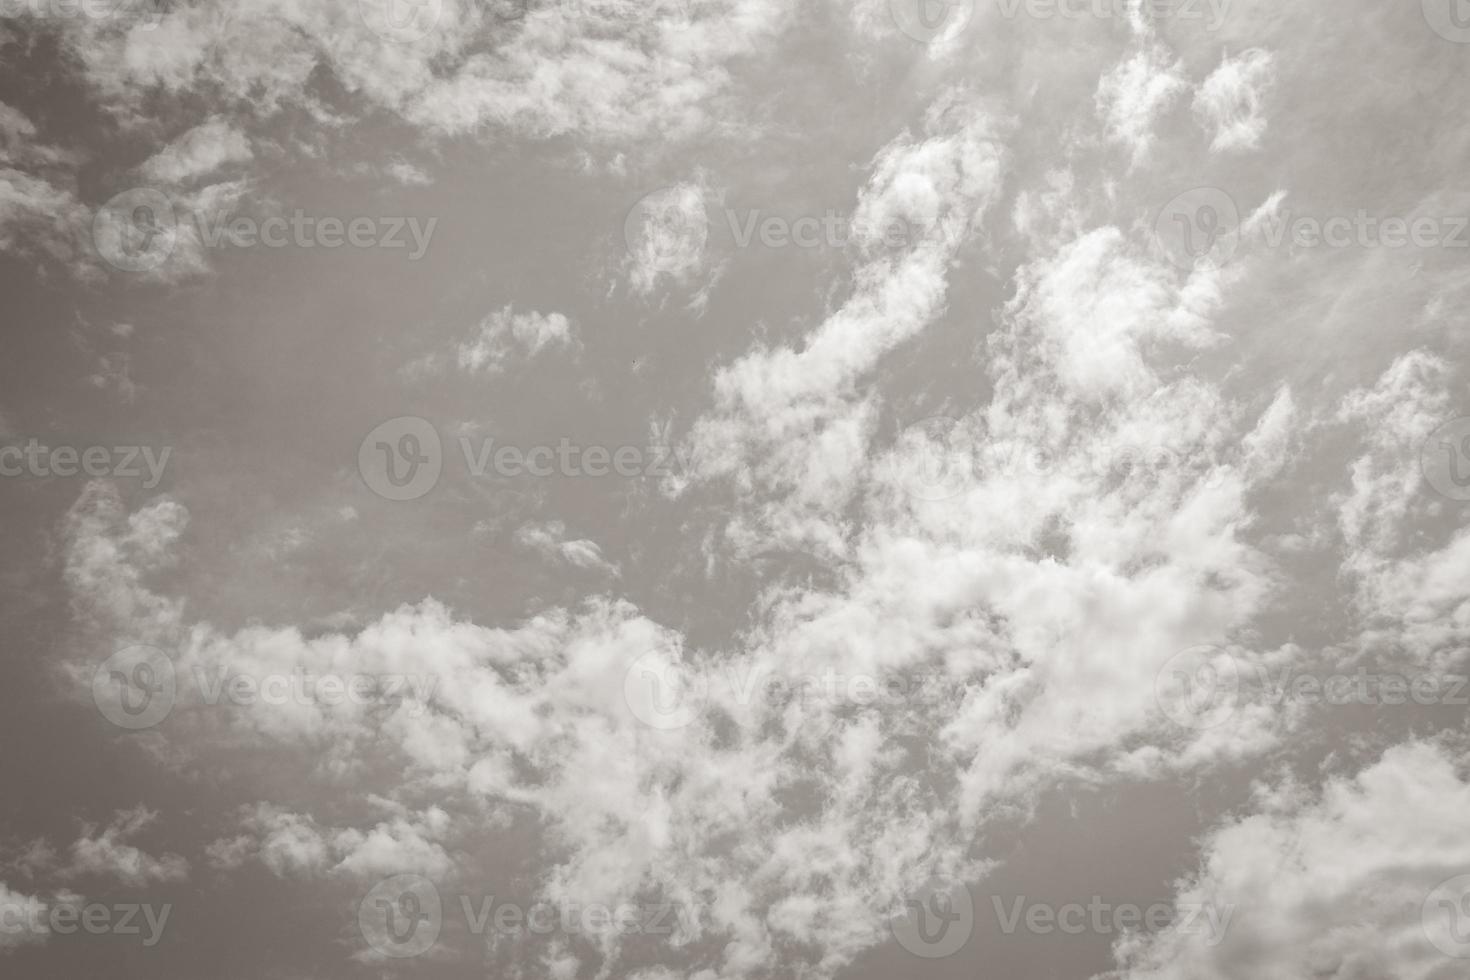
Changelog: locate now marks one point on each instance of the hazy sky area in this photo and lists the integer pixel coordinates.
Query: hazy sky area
(735, 489)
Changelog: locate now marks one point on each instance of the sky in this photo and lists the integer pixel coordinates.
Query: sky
(724, 489)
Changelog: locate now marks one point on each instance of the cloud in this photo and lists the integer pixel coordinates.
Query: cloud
(505, 335)
(197, 153)
(108, 853)
(1333, 884)
(1132, 96)
(549, 540)
(25, 919)
(1229, 102)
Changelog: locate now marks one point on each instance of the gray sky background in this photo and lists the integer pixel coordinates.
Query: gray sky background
(856, 489)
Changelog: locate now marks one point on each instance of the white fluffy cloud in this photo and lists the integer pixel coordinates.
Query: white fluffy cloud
(1339, 884)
